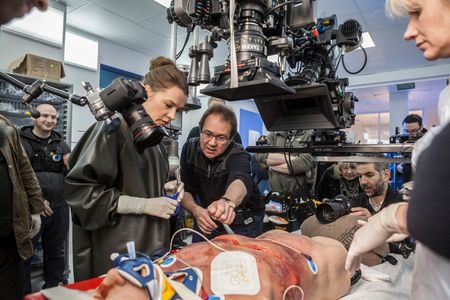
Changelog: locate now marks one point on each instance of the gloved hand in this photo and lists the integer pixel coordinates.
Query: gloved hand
(162, 207)
(173, 187)
(373, 234)
(35, 225)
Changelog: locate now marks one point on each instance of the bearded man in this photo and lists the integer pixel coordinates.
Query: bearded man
(377, 193)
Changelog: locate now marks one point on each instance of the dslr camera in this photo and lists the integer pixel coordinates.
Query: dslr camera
(332, 209)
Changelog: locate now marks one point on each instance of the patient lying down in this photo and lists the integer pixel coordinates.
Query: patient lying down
(275, 265)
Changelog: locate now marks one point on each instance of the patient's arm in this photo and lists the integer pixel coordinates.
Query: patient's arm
(116, 287)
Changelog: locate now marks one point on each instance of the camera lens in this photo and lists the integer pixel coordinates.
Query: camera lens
(330, 212)
(145, 132)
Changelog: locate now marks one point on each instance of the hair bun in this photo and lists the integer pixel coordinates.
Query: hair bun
(161, 61)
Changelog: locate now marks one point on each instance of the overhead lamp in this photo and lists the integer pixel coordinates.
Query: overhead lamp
(165, 3)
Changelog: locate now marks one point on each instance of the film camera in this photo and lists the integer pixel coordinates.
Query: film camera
(332, 209)
(125, 96)
(256, 29)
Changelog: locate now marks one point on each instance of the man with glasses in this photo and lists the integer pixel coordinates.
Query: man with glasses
(219, 191)
(412, 127)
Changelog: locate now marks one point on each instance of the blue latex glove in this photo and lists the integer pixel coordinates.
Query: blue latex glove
(177, 195)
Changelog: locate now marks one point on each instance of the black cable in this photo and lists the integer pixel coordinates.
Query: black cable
(177, 56)
(291, 170)
(277, 7)
(287, 158)
(363, 66)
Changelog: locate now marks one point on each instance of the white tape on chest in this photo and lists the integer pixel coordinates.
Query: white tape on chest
(234, 272)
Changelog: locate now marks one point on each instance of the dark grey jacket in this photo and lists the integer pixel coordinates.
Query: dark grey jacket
(27, 198)
(303, 164)
(102, 167)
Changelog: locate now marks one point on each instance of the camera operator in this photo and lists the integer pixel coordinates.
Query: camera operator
(413, 127)
(115, 188)
(426, 216)
(413, 130)
(377, 192)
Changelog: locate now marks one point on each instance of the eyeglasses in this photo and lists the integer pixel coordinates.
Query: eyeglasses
(208, 135)
(415, 130)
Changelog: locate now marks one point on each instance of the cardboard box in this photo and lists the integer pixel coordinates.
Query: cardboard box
(38, 66)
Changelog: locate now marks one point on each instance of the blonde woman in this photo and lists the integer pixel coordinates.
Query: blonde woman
(426, 217)
(339, 179)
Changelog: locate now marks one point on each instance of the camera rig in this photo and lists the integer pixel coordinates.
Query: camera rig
(307, 96)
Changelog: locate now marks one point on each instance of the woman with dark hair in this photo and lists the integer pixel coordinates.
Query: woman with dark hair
(115, 188)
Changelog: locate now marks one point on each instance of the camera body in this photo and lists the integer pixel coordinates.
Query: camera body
(400, 139)
(256, 29)
(126, 97)
(332, 209)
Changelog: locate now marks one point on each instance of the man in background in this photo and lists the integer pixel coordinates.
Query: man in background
(49, 154)
(295, 181)
(377, 192)
(413, 127)
(414, 130)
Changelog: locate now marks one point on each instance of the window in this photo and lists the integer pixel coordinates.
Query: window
(45, 26)
(371, 128)
(80, 51)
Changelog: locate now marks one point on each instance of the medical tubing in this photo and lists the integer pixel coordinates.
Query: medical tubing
(194, 231)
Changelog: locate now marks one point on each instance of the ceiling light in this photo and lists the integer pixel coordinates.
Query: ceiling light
(367, 40)
(165, 3)
(46, 26)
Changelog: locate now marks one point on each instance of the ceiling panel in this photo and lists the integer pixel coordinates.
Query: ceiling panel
(376, 19)
(94, 19)
(369, 4)
(160, 25)
(135, 11)
(326, 8)
(137, 37)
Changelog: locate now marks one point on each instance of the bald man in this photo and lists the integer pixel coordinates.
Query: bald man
(19, 8)
(49, 155)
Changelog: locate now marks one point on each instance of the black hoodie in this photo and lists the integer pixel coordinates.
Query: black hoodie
(46, 157)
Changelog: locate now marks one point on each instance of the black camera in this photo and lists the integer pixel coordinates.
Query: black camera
(307, 96)
(125, 96)
(332, 209)
(405, 247)
(400, 139)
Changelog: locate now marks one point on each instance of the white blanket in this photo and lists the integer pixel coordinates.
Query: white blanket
(393, 283)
